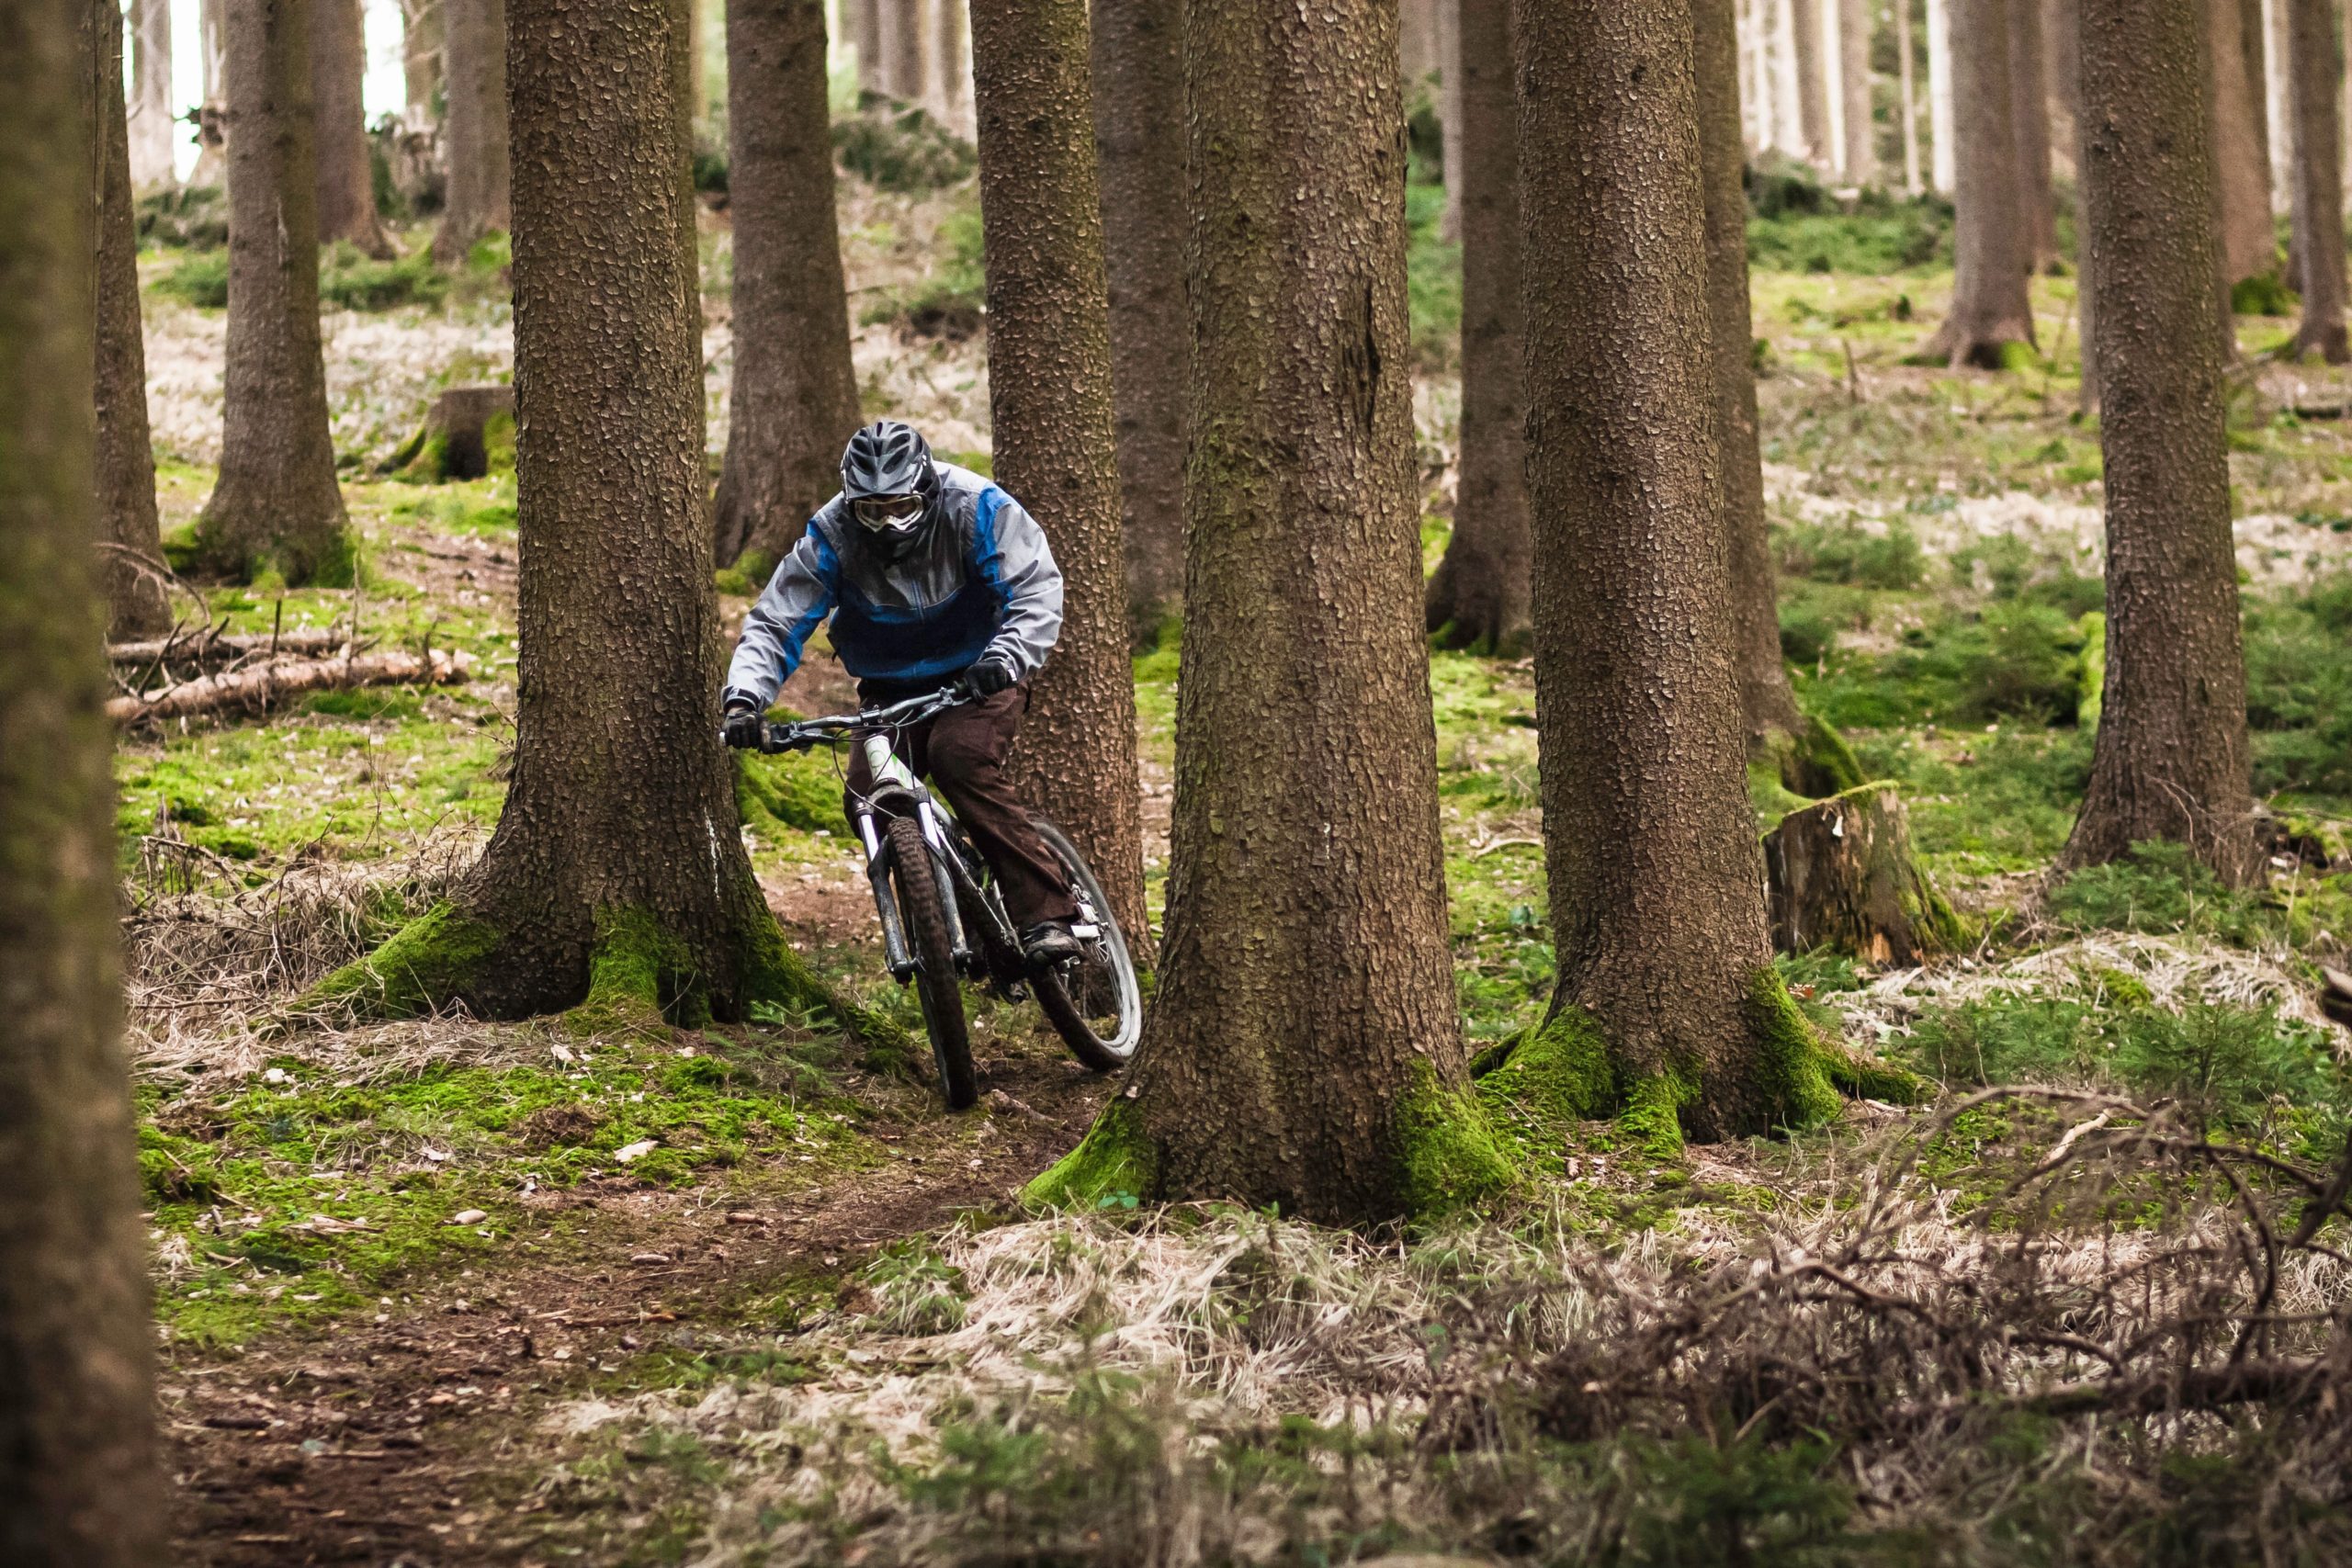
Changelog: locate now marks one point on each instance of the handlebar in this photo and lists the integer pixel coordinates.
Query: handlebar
(812, 732)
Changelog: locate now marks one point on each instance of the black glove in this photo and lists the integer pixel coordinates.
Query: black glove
(989, 676)
(743, 729)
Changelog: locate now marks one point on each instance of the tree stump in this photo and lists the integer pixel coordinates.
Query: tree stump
(465, 430)
(1840, 874)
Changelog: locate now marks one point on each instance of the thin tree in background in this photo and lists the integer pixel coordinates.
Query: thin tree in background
(794, 398)
(2030, 112)
(474, 131)
(616, 881)
(2171, 758)
(1943, 135)
(1666, 987)
(2241, 185)
(1478, 596)
(130, 538)
(2315, 71)
(153, 126)
(1302, 1047)
(1767, 702)
(1050, 408)
(950, 77)
(1813, 82)
(276, 505)
(903, 45)
(1449, 114)
(1907, 97)
(1139, 132)
(1854, 78)
(79, 1482)
(421, 42)
(346, 176)
(1990, 307)
(864, 24)
(2064, 39)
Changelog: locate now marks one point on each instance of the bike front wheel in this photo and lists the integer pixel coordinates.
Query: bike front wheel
(1094, 1001)
(915, 880)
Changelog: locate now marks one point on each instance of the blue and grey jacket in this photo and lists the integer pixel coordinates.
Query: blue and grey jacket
(980, 580)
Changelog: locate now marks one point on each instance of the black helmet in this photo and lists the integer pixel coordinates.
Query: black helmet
(889, 482)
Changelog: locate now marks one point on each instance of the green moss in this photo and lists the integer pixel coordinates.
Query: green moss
(1555, 1073)
(634, 962)
(2091, 685)
(498, 443)
(748, 575)
(1651, 1118)
(1830, 766)
(431, 961)
(1771, 798)
(1116, 1160)
(1449, 1152)
(1802, 1073)
(796, 791)
(777, 978)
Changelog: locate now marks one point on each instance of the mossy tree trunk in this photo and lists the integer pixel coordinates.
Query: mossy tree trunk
(616, 877)
(1302, 1047)
(346, 176)
(2171, 758)
(1478, 597)
(79, 1487)
(2029, 113)
(1140, 129)
(1050, 406)
(1990, 309)
(1654, 871)
(277, 505)
(474, 137)
(1767, 702)
(2315, 73)
(2249, 238)
(131, 541)
(795, 398)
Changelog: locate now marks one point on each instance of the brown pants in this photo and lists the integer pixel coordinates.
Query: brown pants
(963, 752)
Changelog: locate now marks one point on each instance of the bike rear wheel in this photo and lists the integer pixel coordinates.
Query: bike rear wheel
(938, 988)
(1094, 1002)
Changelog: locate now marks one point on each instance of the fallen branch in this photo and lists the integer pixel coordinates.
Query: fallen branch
(208, 646)
(258, 687)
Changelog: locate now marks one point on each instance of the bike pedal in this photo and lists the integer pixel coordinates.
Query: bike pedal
(1085, 932)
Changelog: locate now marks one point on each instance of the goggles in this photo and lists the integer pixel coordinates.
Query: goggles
(886, 514)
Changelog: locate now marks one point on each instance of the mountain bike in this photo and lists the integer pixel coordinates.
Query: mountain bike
(942, 916)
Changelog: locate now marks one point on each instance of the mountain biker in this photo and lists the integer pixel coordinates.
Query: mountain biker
(932, 577)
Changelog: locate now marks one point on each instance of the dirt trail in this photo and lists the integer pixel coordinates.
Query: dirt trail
(407, 1442)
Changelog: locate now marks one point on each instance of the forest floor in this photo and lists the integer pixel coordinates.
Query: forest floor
(445, 1292)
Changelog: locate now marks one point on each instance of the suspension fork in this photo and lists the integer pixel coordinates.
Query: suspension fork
(886, 903)
(943, 856)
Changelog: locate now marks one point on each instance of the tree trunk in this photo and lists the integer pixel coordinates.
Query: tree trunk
(1907, 91)
(456, 440)
(1449, 110)
(2029, 113)
(1478, 597)
(1839, 874)
(2278, 74)
(2171, 758)
(1139, 135)
(2251, 50)
(1418, 42)
(1050, 407)
(2316, 67)
(1766, 702)
(616, 877)
(421, 35)
(795, 398)
(1787, 111)
(151, 98)
(1654, 873)
(211, 168)
(865, 22)
(80, 1487)
(1990, 309)
(2249, 240)
(950, 77)
(1813, 83)
(2065, 46)
(346, 177)
(1302, 1047)
(474, 131)
(276, 505)
(902, 48)
(131, 542)
(1756, 73)
(1943, 137)
(1854, 76)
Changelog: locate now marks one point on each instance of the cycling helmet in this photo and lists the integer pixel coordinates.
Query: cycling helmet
(888, 484)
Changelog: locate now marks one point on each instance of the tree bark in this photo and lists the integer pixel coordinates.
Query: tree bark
(421, 43)
(1139, 138)
(2171, 758)
(1050, 407)
(2030, 112)
(1907, 93)
(151, 98)
(1766, 702)
(616, 876)
(2252, 48)
(1990, 309)
(474, 131)
(1943, 137)
(1303, 1044)
(346, 177)
(2316, 68)
(131, 542)
(1478, 596)
(1654, 873)
(795, 398)
(1854, 78)
(1449, 114)
(1813, 83)
(277, 505)
(2249, 240)
(902, 48)
(80, 1487)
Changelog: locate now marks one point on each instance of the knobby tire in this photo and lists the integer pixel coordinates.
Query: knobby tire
(937, 985)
